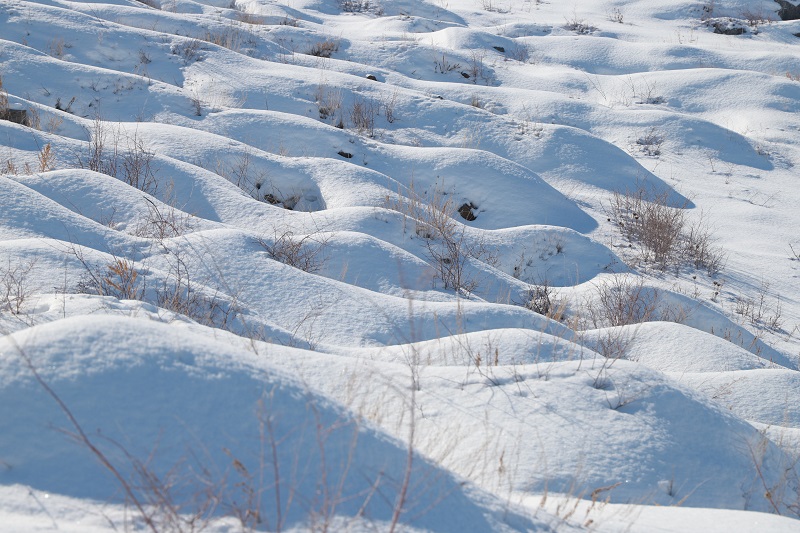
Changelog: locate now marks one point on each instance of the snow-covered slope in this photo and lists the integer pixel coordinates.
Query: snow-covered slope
(465, 265)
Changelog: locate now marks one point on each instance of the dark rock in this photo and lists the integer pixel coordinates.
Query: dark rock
(18, 116)
(500, 49)
(372, 77)
(788, 11)
(467, 213)
(730, 30)
(345, 154)
(464, 74)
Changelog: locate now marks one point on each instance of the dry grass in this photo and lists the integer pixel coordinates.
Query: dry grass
(324, 48)
(304, 252)
(449, 248)
(661, 232)
(47, 158)
(15, 285)
(120, 156)
(362, 115)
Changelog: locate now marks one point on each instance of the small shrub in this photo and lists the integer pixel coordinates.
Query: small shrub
(663, 236)
(650, 143)
(578, 25)
(35, 119)
(761, 311)
(15, 287)
(543, 299)
(477, 69)
(447, 244)
(119, 279)
(231, 37)
(623, 301)
(188, 50)
(518, 52)
(304, 253)
(389, 105)
(164, 223)
(357, 6)
(324, 48)
(444, 66)
(57, 47)
(329, 102)
(180, 293)
(492, 6)
(362, 116)
(46, 158)
(655, 226)
(754, 18)
(249, 18)
(131, 163)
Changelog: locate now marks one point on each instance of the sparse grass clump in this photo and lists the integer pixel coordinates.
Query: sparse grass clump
(761, 311)
(661, 233)
(358, 6)
(362, 115)
(650, 143)
(324, 48)
(125, 157)
(449, 248)
(578, 25)
(329, 104)
(303, 252)
(15, 285)
(543, 298)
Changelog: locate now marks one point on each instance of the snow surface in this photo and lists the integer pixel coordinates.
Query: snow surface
(260, 332)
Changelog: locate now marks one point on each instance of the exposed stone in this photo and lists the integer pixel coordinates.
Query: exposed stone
(728, 30)
(19, 116)
(788, 11)
(467, 212)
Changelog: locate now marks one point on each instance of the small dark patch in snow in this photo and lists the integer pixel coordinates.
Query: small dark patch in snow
(728, 31)
(18, 116)
(372, 77)
(467, 211)
(728, 26)
(500, 49)
(345, 154)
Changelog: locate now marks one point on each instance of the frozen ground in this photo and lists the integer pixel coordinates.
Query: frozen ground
(413, 265)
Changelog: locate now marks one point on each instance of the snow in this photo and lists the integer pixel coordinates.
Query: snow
(226, 300)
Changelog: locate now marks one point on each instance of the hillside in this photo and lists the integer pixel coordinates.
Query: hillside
(412, 265)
